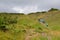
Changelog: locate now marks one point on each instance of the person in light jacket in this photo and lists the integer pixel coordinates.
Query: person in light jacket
(41, 20)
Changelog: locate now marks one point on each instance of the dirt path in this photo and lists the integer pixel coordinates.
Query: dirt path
(31, 34)
(46, 35)
(55, 33)
(50, 34)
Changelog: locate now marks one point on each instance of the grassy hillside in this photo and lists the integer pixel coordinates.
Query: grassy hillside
(27, 27)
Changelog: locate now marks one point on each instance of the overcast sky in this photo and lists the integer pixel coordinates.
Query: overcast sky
(27, 6)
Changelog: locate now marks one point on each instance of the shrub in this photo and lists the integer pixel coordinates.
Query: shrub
(30, 13)
(53, 9)
(43, 12)
(3, 28)
(7, 20)
(12, 21)
(38, 12)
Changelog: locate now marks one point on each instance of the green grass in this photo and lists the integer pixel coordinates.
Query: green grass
(23, 23)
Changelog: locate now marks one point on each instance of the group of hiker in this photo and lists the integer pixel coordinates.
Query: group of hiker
(41, 20)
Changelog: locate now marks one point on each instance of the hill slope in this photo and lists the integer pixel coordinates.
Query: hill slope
(27, 27)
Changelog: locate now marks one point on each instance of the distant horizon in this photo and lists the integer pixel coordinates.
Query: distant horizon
(25, 12)
(29, 12)
(28, 6)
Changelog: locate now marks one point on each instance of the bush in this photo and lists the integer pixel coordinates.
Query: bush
(30, 13)
(7, 20)
(43, 12)
(38, 12)
(3, 28)
(12, 21)
(53, 9)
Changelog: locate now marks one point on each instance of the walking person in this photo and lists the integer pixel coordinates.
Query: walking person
(42, 21)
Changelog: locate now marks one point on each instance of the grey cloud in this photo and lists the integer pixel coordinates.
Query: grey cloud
(7, 5)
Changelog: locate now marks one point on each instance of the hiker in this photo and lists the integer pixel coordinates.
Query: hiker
(46, 24)
(41, 20)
